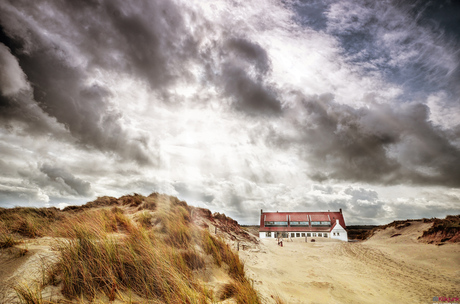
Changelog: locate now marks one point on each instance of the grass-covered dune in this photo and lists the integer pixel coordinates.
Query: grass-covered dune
(133, 249)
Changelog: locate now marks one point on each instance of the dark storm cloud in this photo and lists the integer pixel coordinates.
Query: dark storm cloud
(250, 95)
(250, 51)
(244, 68)
(65, 181)
(380, 143)
(59, 45)
(144, 39)
(141, 38)
(16, 100)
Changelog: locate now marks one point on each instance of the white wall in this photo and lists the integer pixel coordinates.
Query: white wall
(340, 233)
(262, 235)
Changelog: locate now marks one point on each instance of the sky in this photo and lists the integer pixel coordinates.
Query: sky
(233, 105)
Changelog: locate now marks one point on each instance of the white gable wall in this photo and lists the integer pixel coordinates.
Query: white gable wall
(339, 233)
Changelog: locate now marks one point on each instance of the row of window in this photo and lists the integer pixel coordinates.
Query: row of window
(276, 223)
(326, 223)
(301, 234)
(297, 223)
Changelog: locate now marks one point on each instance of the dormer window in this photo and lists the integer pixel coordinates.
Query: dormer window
(299, 224)
(321, 223)
(276, 224)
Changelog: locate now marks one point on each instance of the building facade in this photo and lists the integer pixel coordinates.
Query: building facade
(303, 224)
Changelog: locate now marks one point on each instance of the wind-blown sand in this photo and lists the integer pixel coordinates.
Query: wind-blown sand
(383, 269)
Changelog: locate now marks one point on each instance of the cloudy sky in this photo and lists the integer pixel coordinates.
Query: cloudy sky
(233, 105)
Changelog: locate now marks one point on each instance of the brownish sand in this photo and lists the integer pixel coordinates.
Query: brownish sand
(28, 269)
(383, 269)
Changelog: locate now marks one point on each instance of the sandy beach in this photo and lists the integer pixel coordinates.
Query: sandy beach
(383, 269)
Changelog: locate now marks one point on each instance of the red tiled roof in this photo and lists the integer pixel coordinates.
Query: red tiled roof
(320, 217)
(299, 217)
(276, 217)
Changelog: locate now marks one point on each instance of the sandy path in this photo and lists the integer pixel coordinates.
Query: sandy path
(369, 272)
(28, 269)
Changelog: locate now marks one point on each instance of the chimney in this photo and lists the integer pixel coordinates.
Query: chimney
(340, 210)
(261, 211)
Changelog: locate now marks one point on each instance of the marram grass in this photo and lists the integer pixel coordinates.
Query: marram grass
(107, 254)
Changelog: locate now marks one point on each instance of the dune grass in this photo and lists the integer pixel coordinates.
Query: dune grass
(106, 254)
(99, 263)
(28, 222)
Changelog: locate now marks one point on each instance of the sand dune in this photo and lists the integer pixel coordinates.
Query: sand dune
(383, 269)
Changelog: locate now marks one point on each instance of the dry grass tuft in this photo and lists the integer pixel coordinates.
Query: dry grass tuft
(221, 252)
(28, 295)
(7, 241)
(28, 222)
(132, 200)
(278, 300)
(241, 291)
(193, 259)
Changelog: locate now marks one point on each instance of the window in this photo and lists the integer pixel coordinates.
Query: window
(322, 223)
(325, 234)
(276, 223)
(268, 234)
(293, 234)
(320, 234)
(303, 235)
(338, 233)
(297, 234)
(297, 223)
(308, 234)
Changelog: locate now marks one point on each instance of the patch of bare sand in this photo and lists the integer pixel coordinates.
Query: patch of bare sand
(382, 270)
(28, 269)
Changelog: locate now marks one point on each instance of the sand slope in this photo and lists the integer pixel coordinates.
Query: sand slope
(384, 269)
